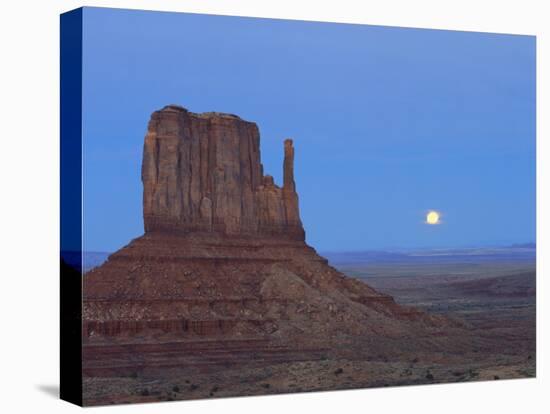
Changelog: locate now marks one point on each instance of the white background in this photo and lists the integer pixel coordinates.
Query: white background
(29, 192)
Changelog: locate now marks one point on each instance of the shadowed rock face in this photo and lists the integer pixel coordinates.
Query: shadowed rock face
(202, 173)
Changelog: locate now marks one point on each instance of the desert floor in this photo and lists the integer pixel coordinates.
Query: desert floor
(494, 300)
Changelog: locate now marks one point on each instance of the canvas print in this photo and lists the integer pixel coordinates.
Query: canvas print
(260, 206)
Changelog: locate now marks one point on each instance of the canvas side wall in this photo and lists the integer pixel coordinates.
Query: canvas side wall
(71, 207)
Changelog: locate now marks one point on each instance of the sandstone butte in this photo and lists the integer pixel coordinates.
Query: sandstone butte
(224, 262)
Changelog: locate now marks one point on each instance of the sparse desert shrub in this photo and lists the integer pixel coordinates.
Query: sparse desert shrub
(429, 376)
(175, 388)
(338, 371)
(144, 392)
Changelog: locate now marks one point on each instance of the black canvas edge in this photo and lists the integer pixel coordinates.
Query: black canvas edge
(71, 206)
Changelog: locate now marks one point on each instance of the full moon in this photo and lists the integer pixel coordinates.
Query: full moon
(432, 217)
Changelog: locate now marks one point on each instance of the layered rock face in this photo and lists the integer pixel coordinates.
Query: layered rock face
(202, 173)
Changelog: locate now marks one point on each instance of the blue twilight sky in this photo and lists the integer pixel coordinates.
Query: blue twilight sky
(387, 122)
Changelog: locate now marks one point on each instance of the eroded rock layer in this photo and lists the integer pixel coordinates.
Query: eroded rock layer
(258, 295)
(202, 173)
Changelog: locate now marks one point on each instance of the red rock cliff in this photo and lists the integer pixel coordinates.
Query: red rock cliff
(203, 173)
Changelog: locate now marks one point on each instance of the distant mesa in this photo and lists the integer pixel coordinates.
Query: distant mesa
(524, 246)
